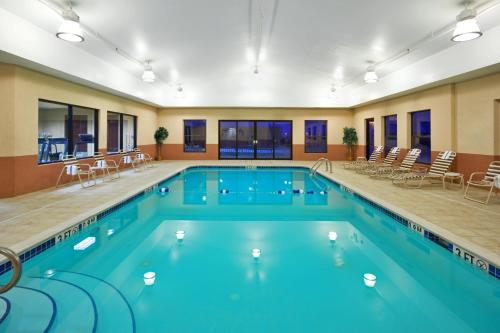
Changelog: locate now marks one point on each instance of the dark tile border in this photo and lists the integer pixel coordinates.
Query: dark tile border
(468, 256)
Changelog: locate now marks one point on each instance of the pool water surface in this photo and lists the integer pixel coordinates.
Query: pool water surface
(210, 282)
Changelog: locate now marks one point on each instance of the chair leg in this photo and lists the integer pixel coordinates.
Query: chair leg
(60, 176)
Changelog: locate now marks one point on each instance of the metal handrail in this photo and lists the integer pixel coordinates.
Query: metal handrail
(318, 164)
(16, 267)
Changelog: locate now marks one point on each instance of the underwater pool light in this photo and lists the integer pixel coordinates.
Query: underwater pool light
(256, 253)
(110, 232)
(149, 278)
(84, 244)
(370, 280)
(332, 235)
(179, 234)
(204, 198)
(49, 273)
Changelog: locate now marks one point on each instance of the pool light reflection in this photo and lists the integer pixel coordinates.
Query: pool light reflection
(149, 278)
(332, 235)
(370, 280)
(180, 234)
(256, 253)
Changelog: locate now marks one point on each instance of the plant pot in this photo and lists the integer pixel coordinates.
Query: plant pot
(158, 151)
(350, 153)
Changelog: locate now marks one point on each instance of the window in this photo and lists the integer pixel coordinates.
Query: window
(421, 134)
(64, 130)
(122, 130)
(195, 132)
(315, 136)
(390, 133)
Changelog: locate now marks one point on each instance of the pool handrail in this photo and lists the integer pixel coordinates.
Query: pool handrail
(16, 267)
(318, 164)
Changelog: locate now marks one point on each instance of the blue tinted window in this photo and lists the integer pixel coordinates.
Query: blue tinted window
(391, 133)
(421, 134)
(315, 140)
(195, 132)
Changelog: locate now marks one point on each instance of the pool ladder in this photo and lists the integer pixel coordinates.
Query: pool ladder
(16, 266)
(319, 163)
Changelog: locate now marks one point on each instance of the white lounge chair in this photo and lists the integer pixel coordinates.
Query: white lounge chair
(362, 162)
(439, 167)
(388, 162)
(399, 168)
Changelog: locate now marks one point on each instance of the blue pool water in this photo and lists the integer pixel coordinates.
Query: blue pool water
(210, 282)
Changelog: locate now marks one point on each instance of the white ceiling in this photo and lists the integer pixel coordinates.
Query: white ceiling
(207, 46)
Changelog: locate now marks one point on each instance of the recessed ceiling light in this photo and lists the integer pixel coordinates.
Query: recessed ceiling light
(370, 75)
(467, 27)
(70, 29)
(148, 75)
(179, 92)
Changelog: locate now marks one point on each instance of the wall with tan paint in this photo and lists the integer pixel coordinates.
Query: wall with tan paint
(172, 119)
(20, 90)
(30, 86)
(438, 100)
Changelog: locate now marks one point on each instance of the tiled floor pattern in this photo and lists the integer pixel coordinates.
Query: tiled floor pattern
(29, 219)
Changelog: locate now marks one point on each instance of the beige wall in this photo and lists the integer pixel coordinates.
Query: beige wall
(438, 100)
(172, 119)
(7, 73)
(478, 123)
(29, 86)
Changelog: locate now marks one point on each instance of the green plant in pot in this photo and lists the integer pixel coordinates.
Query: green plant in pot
(350, 139)
(161, 135)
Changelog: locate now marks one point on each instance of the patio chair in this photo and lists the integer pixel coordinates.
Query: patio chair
(73, 168)
(398, 168)
(107, 167)
(439, 167)
(388, 162)
(486, 180)
(141, 157)
(361, 162)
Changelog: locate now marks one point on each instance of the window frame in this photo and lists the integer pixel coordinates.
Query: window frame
(386, 147)
(69, 127)
(412, 141)
(326, 137)
(184, 136)
(120, 145)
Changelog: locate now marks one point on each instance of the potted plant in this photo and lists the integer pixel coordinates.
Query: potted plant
(350, 139)
(161, 135)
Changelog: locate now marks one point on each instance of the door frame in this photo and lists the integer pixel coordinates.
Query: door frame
(367, 131)
(255, 138)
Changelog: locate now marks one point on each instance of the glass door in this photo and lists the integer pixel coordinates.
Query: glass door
(264, 142)
(249, 139)
(370, 136)
(227, 139)
(283, 140)
(246, 139)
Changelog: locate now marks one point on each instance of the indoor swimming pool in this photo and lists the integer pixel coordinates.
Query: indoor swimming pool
(249, 250)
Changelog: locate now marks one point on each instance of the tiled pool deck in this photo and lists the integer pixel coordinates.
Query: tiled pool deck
(30, 219)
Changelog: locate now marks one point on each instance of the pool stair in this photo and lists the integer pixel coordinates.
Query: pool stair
(55, 309)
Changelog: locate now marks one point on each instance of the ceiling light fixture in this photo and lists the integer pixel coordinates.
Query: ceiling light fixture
(179, 92)
(70, 29)
(466, 28)
(148, 75)
(370, 75)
